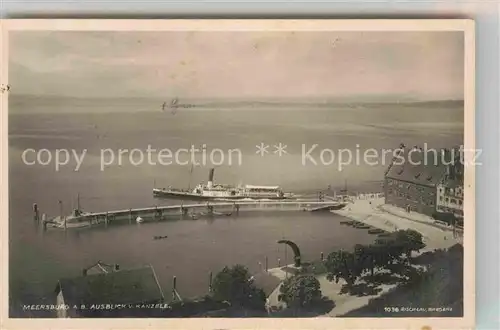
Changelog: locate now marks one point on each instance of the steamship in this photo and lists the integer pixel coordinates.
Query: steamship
(213, 191)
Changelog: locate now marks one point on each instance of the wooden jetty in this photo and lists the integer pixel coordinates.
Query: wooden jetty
(80, 219)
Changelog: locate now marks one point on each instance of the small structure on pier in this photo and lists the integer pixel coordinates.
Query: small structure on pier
(109, 292)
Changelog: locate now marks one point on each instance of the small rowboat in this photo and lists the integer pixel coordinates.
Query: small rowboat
(375, 231)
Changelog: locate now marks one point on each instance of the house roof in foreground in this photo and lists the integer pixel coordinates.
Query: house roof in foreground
(130, 286)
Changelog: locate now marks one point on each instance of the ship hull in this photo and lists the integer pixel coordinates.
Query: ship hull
(160, 193)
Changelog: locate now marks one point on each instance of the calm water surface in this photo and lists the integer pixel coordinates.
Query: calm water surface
(193, 248)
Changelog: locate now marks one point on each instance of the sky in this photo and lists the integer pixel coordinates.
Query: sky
(244, 65)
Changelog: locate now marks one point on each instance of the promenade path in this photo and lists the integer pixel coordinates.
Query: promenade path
(389, 218)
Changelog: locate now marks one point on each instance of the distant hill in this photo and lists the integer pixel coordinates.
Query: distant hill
(62, 104)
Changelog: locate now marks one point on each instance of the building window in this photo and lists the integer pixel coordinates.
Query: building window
(460, 202)
(440, 198)
(447, 200)
(453, 201)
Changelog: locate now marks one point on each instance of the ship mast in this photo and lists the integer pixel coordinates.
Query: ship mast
(344, 191)
(190, 175)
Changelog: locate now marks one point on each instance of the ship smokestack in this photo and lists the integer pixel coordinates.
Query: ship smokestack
(210, 178)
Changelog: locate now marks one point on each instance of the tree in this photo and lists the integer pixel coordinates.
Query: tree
(390, 250)
(410, 240)
(300, 291)
(371, 256)
(364, 260)
(236, 286)
(345, 265)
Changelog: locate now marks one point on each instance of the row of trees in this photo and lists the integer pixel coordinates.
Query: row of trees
(235, 284)
(395, 248)
(441, 284)
(303, 290)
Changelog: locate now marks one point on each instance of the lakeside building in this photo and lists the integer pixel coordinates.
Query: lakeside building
(423, 181)
(450, 192)
(103, 293)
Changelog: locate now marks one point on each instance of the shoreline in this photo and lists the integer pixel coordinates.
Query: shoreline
(375, 213)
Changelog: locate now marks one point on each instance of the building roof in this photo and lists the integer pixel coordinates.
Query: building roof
(131, 286)
(100, 268)
(419, 168)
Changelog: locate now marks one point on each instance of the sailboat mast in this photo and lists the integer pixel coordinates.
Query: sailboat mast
(78, 201)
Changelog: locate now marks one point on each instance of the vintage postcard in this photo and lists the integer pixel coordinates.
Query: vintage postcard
(257, 174)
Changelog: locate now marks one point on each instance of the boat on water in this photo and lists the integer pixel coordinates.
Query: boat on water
(376, 231)
(213, 191)
(77, 219)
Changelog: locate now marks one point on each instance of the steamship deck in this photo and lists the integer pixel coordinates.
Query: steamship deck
(216, 191)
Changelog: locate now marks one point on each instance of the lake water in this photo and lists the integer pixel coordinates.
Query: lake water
(193, 248)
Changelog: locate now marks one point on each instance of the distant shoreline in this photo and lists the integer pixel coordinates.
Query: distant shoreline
(249, 101)
(30, 104)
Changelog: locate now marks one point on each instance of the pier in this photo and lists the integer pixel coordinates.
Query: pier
(81, 219)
